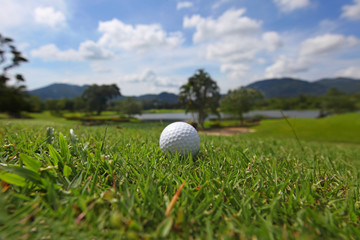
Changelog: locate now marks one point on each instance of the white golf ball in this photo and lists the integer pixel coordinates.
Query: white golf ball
(181, 138)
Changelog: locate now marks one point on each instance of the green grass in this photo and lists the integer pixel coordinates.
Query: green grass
(115, 183)
(46, 115)
(164, 111)
(224, 123)
(103, 114)
(339, 128)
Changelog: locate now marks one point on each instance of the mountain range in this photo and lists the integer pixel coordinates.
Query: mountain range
(58, 90)
(290, 87)
(275, 87)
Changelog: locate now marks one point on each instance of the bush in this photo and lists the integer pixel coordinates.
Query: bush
(97, 120)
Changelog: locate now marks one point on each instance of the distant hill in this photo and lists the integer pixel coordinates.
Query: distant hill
(58, 90)
(162, 97)
(290, 87)
(346, 85)
(275, 87)
(287, 87)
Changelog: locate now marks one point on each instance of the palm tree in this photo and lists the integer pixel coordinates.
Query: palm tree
(201, 94)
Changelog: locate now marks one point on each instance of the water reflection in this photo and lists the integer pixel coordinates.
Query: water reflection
(264, 113)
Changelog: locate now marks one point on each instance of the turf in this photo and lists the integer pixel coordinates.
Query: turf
(114, 183)
(343, 128)
(164, 111)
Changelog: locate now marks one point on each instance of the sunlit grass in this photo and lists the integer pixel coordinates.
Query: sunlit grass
(338, 128)
(114, 182)
(164, 111)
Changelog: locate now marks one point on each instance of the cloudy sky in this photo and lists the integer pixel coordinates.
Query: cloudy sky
(153, 46)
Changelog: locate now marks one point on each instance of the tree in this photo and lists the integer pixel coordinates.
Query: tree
(79, 104)
(12, 98)
(54, 106)
(129, 106)
(36, 104)
(67, 104)
(97, 96)
(335, 101)
(240, 101)
(201, 94)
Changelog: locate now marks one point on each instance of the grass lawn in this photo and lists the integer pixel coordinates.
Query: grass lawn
(3, 116)
(115, 183)
(46, 115)
(164, 111)
(339, 128)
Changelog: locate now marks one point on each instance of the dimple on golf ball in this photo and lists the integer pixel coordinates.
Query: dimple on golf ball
(181, 138)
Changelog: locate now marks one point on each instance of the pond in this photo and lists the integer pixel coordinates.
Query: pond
(265, 113)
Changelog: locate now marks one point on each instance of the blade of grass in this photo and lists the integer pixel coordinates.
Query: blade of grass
(293, 130)
(174, 199)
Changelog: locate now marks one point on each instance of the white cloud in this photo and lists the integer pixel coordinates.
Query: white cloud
(291, 5)
(23, 46)
(87, 50)
(49, 16)
(100, 67)
(219, 3)
(326, 26)
(116, 35)
(312, 52)
(233, 67)
(284, 66)
(161, 82)
(327, 43)
(119, 35)
(16, 13)
(51, 52)
(234, 50)
(234, 71)
(351, 12)
(91, 50)
(232, 39)
(272, 41)
(20, 14)
(181, 5)
(261, 61)
(353, 72)
(145, 76)
(231, 23)
(150, 77)
(149, 80)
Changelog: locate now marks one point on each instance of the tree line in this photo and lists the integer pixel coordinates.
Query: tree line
(200, 95)
(334, 101)
(93, 104)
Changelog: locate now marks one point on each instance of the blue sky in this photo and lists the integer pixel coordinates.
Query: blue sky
(153, 46)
